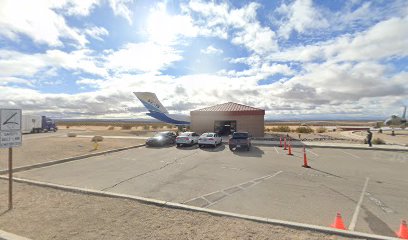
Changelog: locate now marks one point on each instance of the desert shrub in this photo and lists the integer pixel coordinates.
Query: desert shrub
(155, 127)
(378, 141)
(304, 130)
(379, 124)
(111, 128)
(67, 127)
(71, 134)
(321, 130)
(97, 139)
(281, 129)
(126, 127)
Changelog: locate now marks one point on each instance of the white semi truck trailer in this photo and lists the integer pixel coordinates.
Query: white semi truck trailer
(37, 124)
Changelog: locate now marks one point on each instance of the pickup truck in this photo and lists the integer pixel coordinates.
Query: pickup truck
(240, 140)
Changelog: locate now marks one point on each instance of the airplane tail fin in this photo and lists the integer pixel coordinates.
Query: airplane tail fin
(405, 112)
(151, 102)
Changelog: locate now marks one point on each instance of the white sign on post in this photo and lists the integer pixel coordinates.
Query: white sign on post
(10, 128)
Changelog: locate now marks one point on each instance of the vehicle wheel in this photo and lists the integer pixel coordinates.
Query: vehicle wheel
(200, 146)
(231, 148)
(248, 148)
(215, 145)
(178, 145)
(192, 142)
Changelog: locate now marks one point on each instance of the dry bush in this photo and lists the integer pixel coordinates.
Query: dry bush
(280, 129)
(111, 128)
(378, 141)
(321, 130)
(126, 127)
(71, 134)
(304, 130)
(97, 139)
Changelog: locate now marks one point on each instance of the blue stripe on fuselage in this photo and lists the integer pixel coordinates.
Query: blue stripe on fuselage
(150, 106)
(164, 118)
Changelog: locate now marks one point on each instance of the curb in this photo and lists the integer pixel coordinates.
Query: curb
(10, 236)
(333, 146)
(54, 162)
(160, 203)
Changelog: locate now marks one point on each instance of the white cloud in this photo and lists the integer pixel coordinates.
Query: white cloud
(14, 80)
(242, 24)
(212, 50)
(14, 63)
(142, 57)
(96, 32)
(78, 7)
(165, 29)
(120, 8)
(386, 39)
(300, 16)
(38, 21)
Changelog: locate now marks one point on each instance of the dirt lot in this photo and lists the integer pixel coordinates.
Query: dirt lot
(115, 131)
(43, 213)
(39, 150)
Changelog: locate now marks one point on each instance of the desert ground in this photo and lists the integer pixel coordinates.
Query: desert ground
(45, 147)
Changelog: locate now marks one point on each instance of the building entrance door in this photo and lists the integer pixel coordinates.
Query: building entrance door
(225, 128)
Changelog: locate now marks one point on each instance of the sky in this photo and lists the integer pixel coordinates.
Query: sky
(297, 59)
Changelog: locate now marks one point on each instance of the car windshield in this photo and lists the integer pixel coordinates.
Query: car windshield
(240, 135)
(185, 134)
(209, 135)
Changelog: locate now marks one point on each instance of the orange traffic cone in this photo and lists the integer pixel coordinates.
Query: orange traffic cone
(280, 141)
(338, 222)
(284, 144)
(290, 150)
(403, 231)
(305, 159)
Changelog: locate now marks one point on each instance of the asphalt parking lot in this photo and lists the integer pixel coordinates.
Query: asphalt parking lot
(264, 182)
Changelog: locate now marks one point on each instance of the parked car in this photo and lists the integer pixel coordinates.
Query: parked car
(209, 139)
(162, 139)
(187, 138)
(240, 140)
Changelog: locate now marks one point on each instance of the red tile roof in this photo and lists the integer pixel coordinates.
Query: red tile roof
(229, 107)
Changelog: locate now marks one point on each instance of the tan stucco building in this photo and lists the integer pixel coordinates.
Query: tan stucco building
(228, 117)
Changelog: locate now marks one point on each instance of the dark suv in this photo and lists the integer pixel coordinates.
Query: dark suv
(240, 140)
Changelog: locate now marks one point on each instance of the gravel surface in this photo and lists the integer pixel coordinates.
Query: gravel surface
(39, 150)
(44, 213)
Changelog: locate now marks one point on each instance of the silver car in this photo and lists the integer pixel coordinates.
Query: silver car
(209, 139)
(187, 138)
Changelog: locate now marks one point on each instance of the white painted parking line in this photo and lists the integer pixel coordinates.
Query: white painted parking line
(241, 186)
(312, 152)
(350, 154)
(353, 222)
(276, 150)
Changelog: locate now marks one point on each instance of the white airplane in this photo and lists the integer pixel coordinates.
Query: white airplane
(395, 121)
(158, 111)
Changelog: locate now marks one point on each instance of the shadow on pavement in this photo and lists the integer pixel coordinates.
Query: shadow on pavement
(253, 152)
(159, 147)
(187, 147)
(325, 172)
(219, 148)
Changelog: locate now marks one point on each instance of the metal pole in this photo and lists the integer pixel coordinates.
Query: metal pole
(10, 164)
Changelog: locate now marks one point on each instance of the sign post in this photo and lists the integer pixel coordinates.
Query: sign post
(10, 136)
